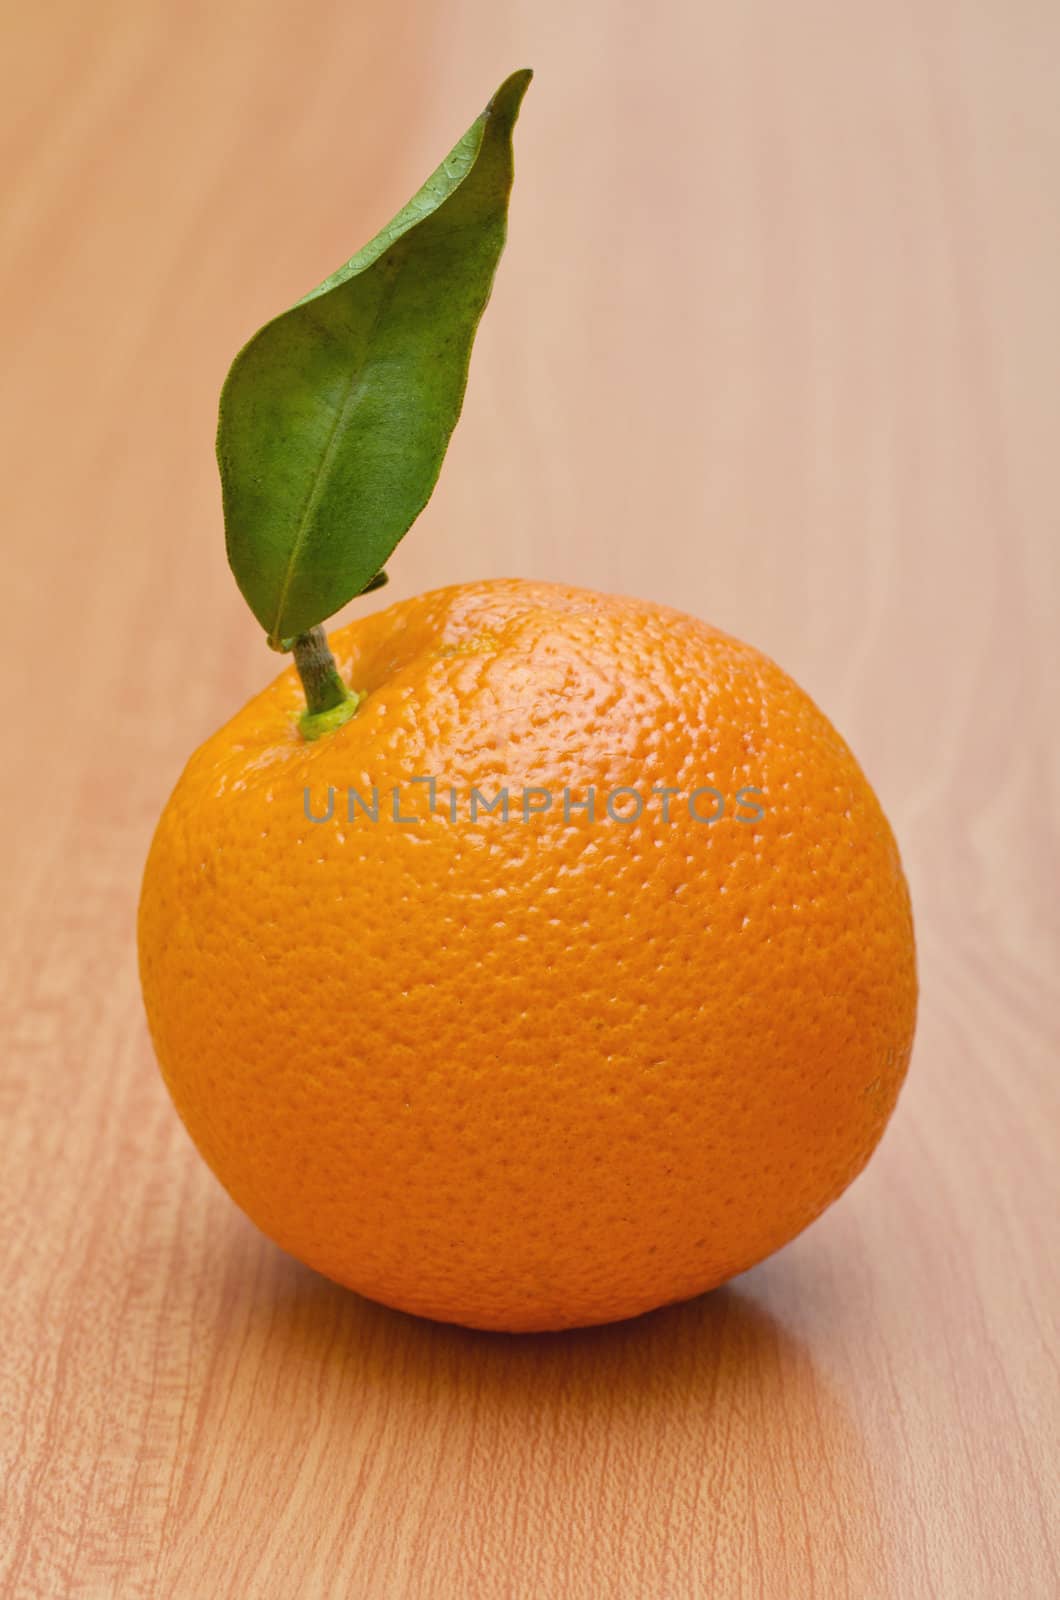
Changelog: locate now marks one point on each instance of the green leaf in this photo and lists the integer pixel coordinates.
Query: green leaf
(335, 418)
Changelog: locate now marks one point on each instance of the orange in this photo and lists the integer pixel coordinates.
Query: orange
(528, 1074)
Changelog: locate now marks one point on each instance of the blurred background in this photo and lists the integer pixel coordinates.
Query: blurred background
(775, 340)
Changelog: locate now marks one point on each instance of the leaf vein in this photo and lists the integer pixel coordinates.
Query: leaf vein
(316, 488)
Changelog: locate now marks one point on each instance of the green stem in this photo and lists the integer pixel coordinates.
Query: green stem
(324, 689)
(329, 703)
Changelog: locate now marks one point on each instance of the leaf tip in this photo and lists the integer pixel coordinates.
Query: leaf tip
(509, 96)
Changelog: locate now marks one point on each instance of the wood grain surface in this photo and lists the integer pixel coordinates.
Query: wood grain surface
(777, 340)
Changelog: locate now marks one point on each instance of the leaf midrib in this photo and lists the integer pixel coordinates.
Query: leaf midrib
(316, 488)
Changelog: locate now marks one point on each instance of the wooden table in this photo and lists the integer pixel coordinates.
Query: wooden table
(776, 339)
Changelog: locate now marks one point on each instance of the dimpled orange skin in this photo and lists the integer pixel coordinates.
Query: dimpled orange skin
(529, 1075)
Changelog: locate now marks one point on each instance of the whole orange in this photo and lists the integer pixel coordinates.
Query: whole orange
(552, 1068)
